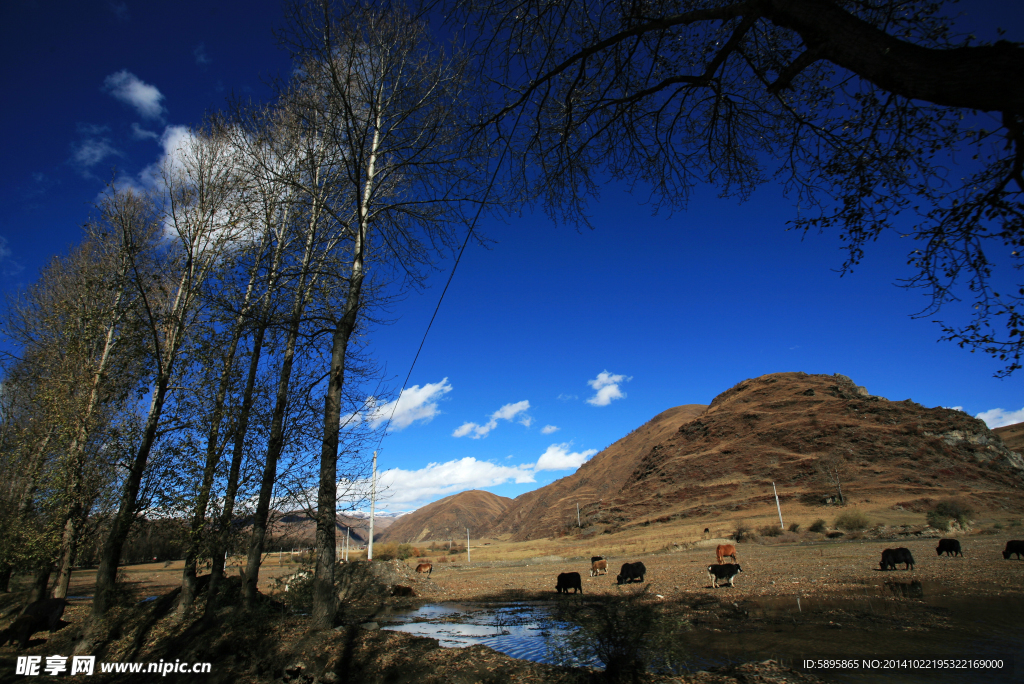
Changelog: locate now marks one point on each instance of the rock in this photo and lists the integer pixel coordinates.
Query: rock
(369, 626)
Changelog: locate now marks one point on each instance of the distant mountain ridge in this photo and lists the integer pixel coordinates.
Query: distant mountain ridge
(448, 518)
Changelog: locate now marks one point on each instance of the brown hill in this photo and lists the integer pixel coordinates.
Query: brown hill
(296, 529)
(448, 518)
(547, 510)
(1012, 436)
(782, 427)
(700, 463)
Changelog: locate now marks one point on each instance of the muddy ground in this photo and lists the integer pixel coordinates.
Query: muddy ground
(790, 602)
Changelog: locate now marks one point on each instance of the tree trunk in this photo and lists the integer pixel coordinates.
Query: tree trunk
(223, 533)
(5, 579)
(275, 441)
(325, 601)
(195, 538)
(110, 557)
(40, 583)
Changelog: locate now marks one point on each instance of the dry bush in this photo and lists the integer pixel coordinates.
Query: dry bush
(769, 531)
(794, 527)
(851, 520)
(818, 526)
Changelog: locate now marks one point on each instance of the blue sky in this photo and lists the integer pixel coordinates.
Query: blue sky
(552, 343)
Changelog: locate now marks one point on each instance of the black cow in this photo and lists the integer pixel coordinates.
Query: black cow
(1014, 546)
(630, 572)
(37, 616)
(950, 547)
(569, 580)
(890, 557)
(726, 571)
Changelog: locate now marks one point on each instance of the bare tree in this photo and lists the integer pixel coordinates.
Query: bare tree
(858, 108)
(168, 279)
(389, 103)
(833, 469)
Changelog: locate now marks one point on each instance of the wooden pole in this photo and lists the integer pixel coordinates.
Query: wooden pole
(469, 558)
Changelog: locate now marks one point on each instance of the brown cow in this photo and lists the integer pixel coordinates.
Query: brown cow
(425, 567)
(725, 551)
(599, 567)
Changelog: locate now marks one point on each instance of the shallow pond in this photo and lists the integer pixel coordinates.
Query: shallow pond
(884, 618)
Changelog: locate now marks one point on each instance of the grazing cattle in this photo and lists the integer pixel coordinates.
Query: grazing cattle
(569, 580)
(950, 547)
(1014, 546)
(725, 551)
(425, 567)
(722, 572)
(598, 567)
(890, 557)
(707, 533)
(37, 616)
(594, 559)
(631, 572)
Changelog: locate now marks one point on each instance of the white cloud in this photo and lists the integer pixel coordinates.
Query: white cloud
(405, 488)
(200, 54)
(607, 386)
(526, 421)
(568, 397)
(415, 404)
(506, 412)
(1001, 417)
(130, 89)
(548, 430)
(140, 133)
(92, 151)
(558, 457)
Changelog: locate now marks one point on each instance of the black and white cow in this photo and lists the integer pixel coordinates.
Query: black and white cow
(723, 572)
(950, 547)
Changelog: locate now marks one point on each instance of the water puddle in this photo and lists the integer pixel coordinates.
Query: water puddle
(887, 617)
(520, 630)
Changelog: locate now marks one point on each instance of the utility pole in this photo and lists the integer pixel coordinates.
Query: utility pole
(469, 558)
(578, 523)
(777, 505)
(373, 503)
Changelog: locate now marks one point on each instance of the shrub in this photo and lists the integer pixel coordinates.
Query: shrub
(742, 533)
(818, 526)
(769, 531)
(938, 521)
(406, 551)
(951, 509)
(851, 520)
(795, 527)
(998, 525)
(385, 552)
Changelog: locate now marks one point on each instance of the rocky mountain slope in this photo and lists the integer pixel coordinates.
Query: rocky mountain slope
(781, 428)
(448, 518)
(547, 510)
(1012, 436)
(698, 463)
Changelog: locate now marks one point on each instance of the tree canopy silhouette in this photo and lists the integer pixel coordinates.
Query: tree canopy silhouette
(875, 115)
